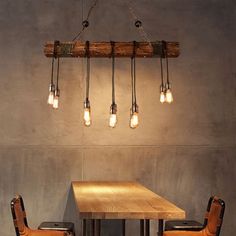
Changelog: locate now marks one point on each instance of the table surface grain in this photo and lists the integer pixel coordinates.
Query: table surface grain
(121, 200)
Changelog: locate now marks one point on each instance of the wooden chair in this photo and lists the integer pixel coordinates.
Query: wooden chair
(212, 224)
(21, 224)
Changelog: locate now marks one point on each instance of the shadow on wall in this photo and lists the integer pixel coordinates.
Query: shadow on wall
(109, 227)
(70, 214)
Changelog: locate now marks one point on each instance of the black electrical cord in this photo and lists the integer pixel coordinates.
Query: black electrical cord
(167, 63)
(161, 63)
(167, 70)
(56, 43)
(58, 70)
(113, 72)
(133, 74)
(88, 70)
(132, 79)
(52, 72)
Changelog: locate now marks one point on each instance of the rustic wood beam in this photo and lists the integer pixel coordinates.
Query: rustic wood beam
(103, 49)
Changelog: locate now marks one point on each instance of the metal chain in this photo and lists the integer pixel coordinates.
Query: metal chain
(141, 29)
(87, 18)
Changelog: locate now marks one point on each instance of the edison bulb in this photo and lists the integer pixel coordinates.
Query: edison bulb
(113, 120)
(162, 97)
(51, 93)
(134, 120)
(87, 116)
(50, 98)
(55, 104)
(169, 96)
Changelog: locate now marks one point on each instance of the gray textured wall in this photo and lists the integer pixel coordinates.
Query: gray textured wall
(184, 152)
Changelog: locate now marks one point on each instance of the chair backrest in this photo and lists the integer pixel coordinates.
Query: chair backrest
(19, 215)
(214, 216)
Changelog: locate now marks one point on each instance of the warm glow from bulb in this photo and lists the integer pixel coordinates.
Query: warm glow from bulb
(162, 97)
(134, 120)
(50, 98)
(169, 96)
(113, 120)
(55, 104)
(87, 117)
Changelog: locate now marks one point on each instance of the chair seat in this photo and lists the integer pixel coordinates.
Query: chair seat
(188, 225)
(61, 226)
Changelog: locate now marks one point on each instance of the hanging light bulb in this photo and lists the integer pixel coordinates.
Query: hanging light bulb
(134, 120)
(87, 113)
(51, 93)
(55, 104)
(87, 110)
(56, 96)
(162, 94)
(113, 108)
(169, 95)
(113, 116)
(134, 116)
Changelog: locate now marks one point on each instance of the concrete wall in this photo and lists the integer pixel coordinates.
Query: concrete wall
(184, 151)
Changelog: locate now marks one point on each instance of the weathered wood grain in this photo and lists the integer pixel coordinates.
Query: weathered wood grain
(103, 49)
(121, 200)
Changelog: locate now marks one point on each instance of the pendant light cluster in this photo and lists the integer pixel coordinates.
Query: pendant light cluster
(54, 91)
(144, 49)
(165, 87)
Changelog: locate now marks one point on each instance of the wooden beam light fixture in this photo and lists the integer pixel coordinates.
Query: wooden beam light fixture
(133, 50)
(103, 49)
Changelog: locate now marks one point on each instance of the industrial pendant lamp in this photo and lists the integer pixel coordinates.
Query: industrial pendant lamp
(134, 108)
(51, 86)
(162, 86)
(169, 96)
(113, 108)
(146, 48)
(55, 104)
(87, 111)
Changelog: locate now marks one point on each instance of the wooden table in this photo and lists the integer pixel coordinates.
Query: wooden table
(122, 200)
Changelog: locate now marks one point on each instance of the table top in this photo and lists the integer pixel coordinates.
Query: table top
(121, 200)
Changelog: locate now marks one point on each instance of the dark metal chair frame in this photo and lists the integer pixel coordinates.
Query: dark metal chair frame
(211, 199)
(13, 201)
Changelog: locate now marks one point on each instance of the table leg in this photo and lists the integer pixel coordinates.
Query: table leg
(141, 227)
(84, 227)
(147, 227)
(98, 227)
(123, 227)
(160, 227)
(93, 227)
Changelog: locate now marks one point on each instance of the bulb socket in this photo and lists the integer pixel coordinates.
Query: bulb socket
(86, 103)
(168, 86)
(134, 108)
(57, 93)
(162, 88)
(113, 108)
(51, 87)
